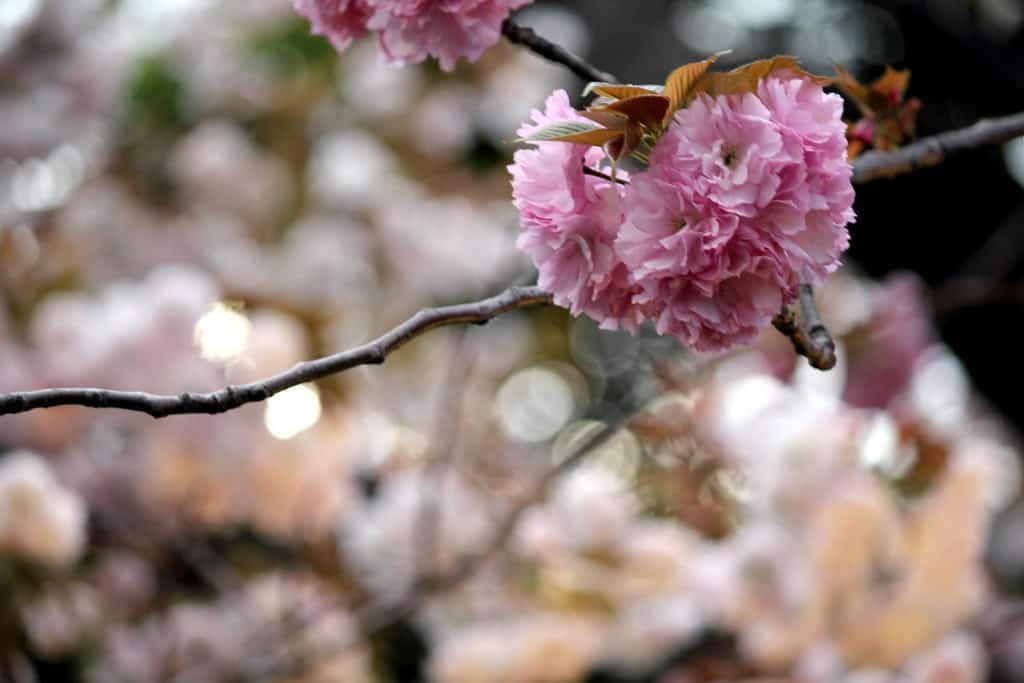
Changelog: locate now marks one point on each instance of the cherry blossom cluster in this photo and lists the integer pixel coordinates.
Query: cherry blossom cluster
(409, 31)
(744, 197)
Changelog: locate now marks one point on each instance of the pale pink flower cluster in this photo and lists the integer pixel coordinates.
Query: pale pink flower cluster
(745, 197)
(409, 31)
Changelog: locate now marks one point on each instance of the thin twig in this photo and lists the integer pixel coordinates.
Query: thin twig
(970, 292)
(587, 170)
(441, 453)
(525, 36)
(371, 353)
(376, 617)
(933, 150)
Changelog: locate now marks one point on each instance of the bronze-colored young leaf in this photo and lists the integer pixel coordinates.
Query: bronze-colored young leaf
(853, 88)
(623, 145)
(647, 110)
(681, 81)
(617, 92)
(885, 93)
(892, 86)
(745, 78)
(888, 134)
(608, 119)
(908, 116)
(887, 120)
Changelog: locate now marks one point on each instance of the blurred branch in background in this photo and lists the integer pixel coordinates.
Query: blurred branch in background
(933, 150)
(969, 292)
(441, 453)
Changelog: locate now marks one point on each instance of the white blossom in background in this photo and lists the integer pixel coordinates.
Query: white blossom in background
(40, 520)
(532, 648)
(352, 170)
(373, 89)
(444, 127)
(208, 160)
(227, 638)
(381, 538)
(113, 337)
(418, 229)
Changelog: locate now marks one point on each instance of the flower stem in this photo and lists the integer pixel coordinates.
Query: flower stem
(601, 174)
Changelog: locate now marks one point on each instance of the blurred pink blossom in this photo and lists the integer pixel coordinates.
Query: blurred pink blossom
(341, 21)
(409, 31)
(883, 363)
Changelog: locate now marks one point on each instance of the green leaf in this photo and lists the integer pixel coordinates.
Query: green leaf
(560, 129)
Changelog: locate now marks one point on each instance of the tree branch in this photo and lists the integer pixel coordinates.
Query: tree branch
(441, 452)
(371, 353)
(933, 150)
(801, 322)
(525, 36)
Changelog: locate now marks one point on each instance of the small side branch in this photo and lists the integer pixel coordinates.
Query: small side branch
(375, 617)
(229, 398)
(441, 453)
(525, 36)
(933, 150)
(801, 322)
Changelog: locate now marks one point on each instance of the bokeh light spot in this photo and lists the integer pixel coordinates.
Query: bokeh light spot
(292, 411)
(534, 404)
(1013, 156)
(222, 334)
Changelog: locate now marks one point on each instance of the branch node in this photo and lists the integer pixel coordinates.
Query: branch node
(801, 322)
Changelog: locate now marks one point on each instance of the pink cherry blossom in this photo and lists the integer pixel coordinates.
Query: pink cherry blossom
(409, 31)
(570, 221)
(746, 196)
(340, 21)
